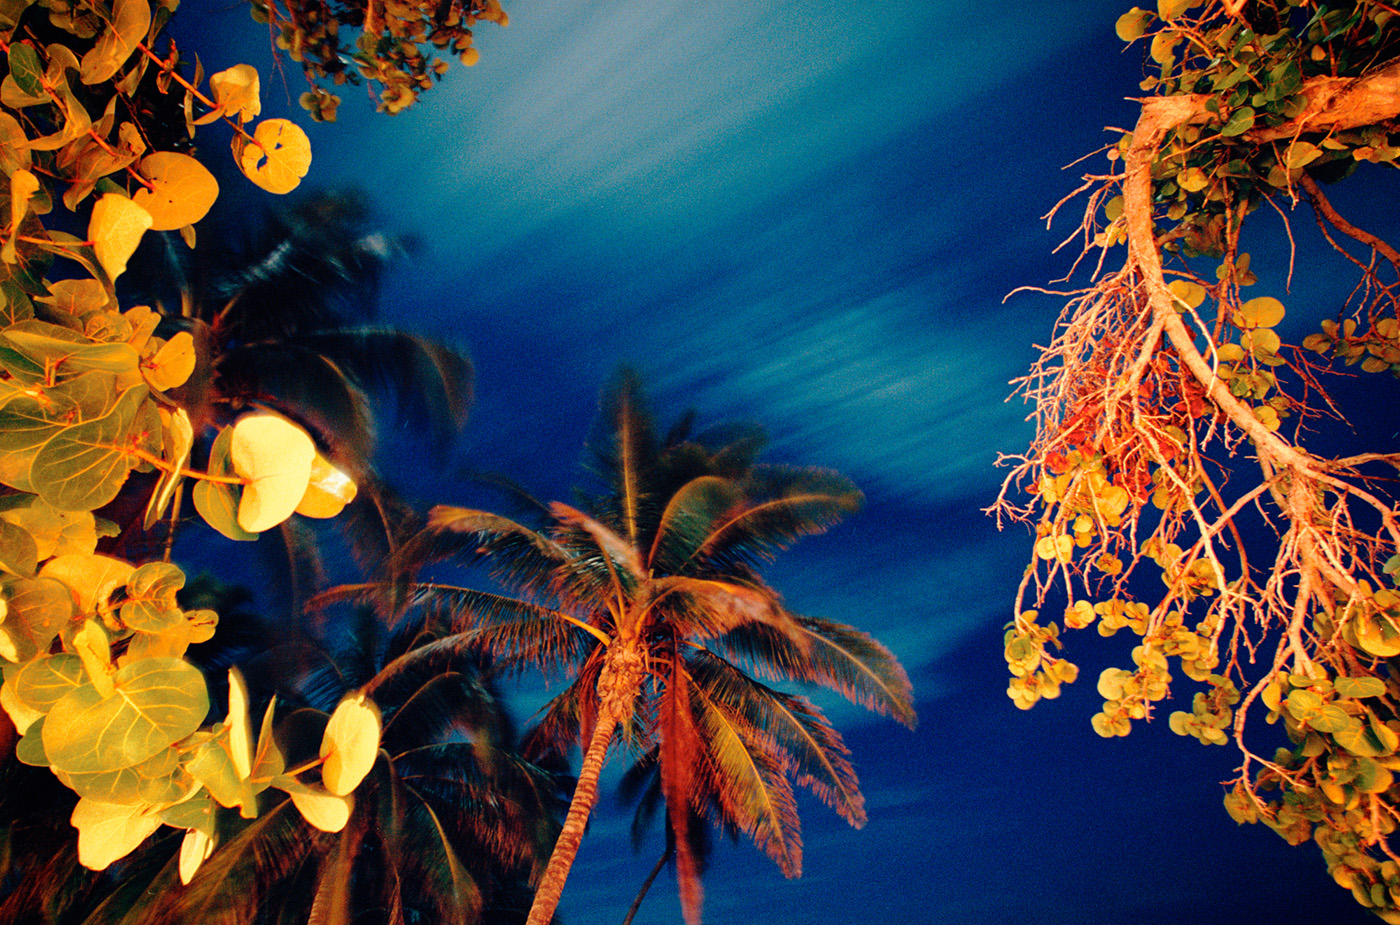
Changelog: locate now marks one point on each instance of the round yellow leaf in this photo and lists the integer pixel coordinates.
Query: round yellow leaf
(236, 91)
(277, 157)
(172, 364)
(328, 492)
(115, 229)
(108, 832)
(1187, 293)
(350, 744)
(326, 811)
(1193, 180)
(1263, 312)
(275, 455)
(182, 190)
(91, 579)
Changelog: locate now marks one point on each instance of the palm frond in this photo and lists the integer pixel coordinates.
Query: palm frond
(306, 386)
(785, 505)
(514, 554)
(837, 656)
(682, 751)
(625, 450)
(704, 608)
(689, 518)
(459, 896)
(614, 548)
(811, 748)
(432, 382)
(749, 783)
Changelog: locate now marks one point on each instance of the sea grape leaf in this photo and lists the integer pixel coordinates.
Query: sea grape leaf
(30, 747)
(172, 364)
(151, 781)
(90, 579)
(26, 68)
(108, 832)
(18, 553)
(275, 456)
(329, 490)
(131, 20)
(42, 682)
(326, 811)
(236, 92)
(194, 851)
(36, 611)
(83, 467)
(157, 702)
(179, 440)
(181, 193)
(61, 357)
(213, 766)
(350, 744)
(240, 725)
(217, 502)
(277, 157)
(115, 230)
(150, 598)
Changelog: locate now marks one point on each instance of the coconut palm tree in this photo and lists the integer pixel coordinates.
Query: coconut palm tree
(648, 597)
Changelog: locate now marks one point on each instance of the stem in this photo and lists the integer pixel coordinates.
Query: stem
(181, 470)
(646, 885)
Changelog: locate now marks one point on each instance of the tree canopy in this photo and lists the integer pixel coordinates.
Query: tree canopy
(1180, 481)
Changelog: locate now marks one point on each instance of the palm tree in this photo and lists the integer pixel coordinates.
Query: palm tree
(648, 596)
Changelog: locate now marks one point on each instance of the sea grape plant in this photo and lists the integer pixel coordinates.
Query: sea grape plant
(1176, 484)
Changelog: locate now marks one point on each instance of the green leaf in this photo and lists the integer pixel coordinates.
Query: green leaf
(1365, 686)
(1303, 704)
(131, 19)
(26, 68)
(1263, 312)
(41, 683)
(1301, 154)
(1332, 719)
(1132, 24)
(217, 502)
(150, 598)
(37, 610)
(1241, 121)
(18, 553)
(157, 702)
(30, 747)
(83, 467)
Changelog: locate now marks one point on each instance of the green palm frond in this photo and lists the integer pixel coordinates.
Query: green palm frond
(306, 386)
(834, 655)
(689, 519)
(748, 782)
(434, 859)
(625, 449)
(785, 504)
(811, 748)
(431, 381)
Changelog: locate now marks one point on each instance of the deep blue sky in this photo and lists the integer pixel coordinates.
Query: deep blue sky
(808, 215)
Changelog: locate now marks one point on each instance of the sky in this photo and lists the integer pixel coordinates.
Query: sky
(811, 217)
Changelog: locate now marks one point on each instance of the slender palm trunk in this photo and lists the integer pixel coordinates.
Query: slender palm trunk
(646, 885)
(571, 835)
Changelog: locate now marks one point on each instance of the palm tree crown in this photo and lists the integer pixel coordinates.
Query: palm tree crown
(648, 597)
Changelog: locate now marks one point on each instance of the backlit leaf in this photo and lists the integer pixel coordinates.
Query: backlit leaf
(181, 192)
(217, 502)
(275, 455)
(90, 579)
(328, 492)
(157, 702)
(178, 440)
(83, 467)
(108, 832)
(131, 19)
(350, 744)
(240, 726)
(326, 811)
(236, 92)
(277, 157)
(150, 598)
(194, 850)
(1263, 312)
(172, 364)
(115, 230)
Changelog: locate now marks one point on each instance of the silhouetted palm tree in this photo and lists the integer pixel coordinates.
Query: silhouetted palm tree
(648, 597)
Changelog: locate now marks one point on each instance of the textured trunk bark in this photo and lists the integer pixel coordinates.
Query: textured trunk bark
(618, 685)
(561, 859)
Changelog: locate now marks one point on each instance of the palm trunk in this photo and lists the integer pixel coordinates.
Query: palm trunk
(619, 682)
(571, 835)
(646, 885)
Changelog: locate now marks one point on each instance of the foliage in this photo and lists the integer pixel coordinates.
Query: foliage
(1277, 590)
(648, 599)
(102, 411)
(394, 48)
